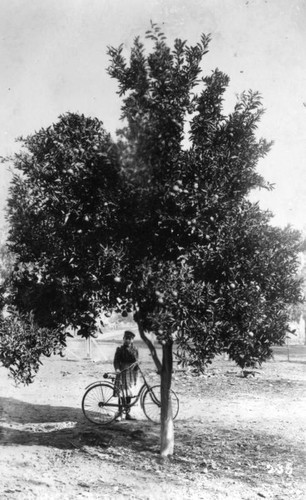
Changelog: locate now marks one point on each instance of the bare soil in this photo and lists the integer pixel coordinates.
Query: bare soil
(236, 437)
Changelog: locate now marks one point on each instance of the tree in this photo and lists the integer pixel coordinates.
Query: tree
(6, 261)
(299, 310)
(148, 226)
(62, 215)
(23, 344)
(60, 236)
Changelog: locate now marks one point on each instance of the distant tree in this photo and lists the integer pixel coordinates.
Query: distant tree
(6, 262)
(150, 226)
(299, 310)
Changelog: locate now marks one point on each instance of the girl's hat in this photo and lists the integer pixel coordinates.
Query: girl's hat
(129, 335)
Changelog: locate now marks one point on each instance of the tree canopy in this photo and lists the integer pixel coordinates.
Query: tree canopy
(148, 224)
(62, 214)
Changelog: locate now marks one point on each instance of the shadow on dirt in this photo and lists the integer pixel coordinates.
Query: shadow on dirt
(13, 410)
(66, 428)
(218, 450)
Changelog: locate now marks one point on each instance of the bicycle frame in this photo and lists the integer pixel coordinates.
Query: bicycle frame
(112, 378)
(114, 395)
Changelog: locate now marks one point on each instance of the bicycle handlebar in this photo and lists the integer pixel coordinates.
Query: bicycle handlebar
(114, 374)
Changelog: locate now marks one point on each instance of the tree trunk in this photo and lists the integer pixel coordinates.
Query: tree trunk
(149, 344)
(167, 428)
(165, 371)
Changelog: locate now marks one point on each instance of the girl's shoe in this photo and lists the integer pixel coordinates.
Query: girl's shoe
(129, 417)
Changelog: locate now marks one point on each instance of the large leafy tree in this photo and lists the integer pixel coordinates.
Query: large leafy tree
(150, 225)
(59, 239)
(63, 221)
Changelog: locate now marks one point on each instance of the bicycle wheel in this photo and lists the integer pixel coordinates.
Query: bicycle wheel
(151, 404)
(99, 404)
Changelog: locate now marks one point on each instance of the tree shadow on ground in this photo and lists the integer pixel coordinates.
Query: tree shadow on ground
(254, 457)
(65, 427)
(220, 450)
(21, 412)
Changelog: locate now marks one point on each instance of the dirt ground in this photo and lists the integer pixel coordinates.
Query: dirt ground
(236, 437)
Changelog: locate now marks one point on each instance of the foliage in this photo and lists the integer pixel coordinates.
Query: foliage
(215, 275)
(22, 344)
(6, 266)
(299, 309)
(150, 226)
(62, 215)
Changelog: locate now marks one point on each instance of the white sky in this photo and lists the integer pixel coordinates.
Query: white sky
(53, 59)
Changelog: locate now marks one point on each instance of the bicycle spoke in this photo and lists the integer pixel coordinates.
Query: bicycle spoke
(152, 404)
(99, 404)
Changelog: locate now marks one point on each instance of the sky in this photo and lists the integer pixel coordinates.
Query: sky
(53, 59)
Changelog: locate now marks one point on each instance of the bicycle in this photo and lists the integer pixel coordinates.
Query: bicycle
(100, 403)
